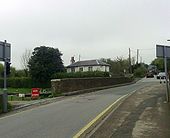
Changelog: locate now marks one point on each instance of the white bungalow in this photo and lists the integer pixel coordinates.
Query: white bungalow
(88, 65)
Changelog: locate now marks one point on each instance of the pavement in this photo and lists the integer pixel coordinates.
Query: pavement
(144, 114)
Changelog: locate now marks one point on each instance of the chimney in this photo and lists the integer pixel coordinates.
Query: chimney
(72, 60)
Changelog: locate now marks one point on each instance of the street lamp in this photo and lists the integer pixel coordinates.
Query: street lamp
(167, 80)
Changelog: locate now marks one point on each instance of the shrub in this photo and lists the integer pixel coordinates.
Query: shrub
(23, 82)
(140, 72)
(80, 74)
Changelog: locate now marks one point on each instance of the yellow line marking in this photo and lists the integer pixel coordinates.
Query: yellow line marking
(97, 118)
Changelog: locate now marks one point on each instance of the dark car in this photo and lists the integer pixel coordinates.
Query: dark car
(149, 75)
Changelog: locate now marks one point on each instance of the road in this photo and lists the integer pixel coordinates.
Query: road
(63, 119)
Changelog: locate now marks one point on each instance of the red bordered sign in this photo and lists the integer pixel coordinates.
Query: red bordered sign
(35, 93)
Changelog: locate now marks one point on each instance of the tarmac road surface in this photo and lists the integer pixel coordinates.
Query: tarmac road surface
(63, 119)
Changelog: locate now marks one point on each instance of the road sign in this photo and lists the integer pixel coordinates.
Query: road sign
(5, 51)
(162, 51)
(35, 93)
(5, 55)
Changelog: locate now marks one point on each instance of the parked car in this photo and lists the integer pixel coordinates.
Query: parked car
(161, 75)
(149, 75)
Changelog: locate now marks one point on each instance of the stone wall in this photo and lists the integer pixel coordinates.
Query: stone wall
(74, 84)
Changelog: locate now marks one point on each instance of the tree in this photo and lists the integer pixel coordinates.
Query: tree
(159, 63)
(118, 65)
(44, 62)
(140, 71)
(24, 61)
(1, 70)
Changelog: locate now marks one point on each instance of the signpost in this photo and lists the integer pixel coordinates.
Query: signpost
(35, 93)
(5, 55)
(164, 52)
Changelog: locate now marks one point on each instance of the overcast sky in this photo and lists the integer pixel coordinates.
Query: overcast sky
(92, 28)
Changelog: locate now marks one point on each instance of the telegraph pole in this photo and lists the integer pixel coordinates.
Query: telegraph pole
(137, 56)
(79, 57)
(130, 68)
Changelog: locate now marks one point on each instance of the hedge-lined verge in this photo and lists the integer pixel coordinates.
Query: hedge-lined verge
(80, 74)
(23, 82)
(27, 82)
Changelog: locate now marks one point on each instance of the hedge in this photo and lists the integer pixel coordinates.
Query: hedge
(140, 72)
(27, 82)
(88, 74)
(22, 82)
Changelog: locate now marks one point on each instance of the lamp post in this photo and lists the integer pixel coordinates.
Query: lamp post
(167, 74)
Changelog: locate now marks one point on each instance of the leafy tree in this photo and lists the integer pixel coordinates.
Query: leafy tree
(118, 65)
(20, 73)
(12, 72)
(140, 71)
(1, 69)
(159, 63)
(44, 62)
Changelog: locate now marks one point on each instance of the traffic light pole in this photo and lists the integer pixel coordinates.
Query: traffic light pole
(5, 96)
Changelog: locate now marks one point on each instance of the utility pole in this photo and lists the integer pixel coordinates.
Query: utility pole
(79, 57)
(137, 56)
(130, 68)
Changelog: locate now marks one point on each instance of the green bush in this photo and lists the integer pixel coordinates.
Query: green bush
(9, 107)
(23, 82)
(140, 72)
(80, 74)
(27, 82)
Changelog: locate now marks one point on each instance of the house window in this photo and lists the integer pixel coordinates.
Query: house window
(81, 69)
(72, 69)
(90, 68)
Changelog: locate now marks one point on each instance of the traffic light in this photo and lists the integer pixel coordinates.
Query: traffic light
(8, 68)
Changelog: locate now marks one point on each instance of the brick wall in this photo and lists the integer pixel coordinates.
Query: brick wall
(74, 84)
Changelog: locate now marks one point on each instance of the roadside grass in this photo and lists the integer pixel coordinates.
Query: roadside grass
(25, 91)
(16, 98)
(17, 90)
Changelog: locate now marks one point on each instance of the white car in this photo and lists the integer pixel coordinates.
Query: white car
(161, 75)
